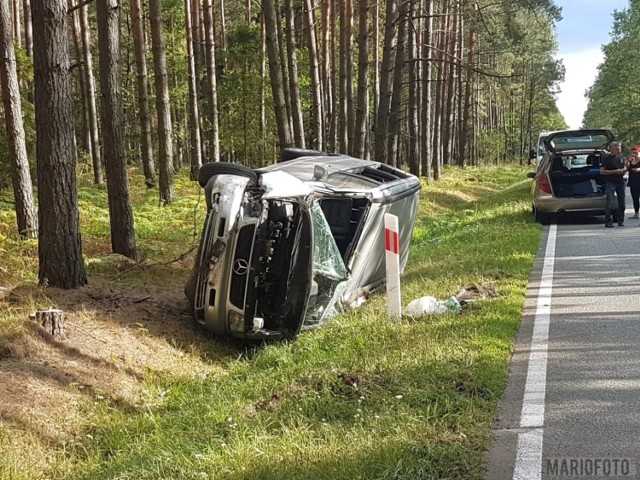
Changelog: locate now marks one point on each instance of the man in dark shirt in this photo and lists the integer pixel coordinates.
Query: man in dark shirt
(613, 169)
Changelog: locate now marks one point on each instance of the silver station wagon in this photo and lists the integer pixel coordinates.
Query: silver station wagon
(287, 247)
(568, 176)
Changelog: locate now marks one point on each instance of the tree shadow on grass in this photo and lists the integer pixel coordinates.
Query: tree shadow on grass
(117, 336)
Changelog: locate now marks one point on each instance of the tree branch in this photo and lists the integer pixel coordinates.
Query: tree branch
(168, 262)
(76, 7)
(458, 61)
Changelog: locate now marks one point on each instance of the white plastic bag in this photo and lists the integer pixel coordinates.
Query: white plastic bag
(426, 305)
(423, 306)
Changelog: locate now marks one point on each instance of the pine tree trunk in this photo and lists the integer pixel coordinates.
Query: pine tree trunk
(464, 132)
(28, 32)
(386, 81)
(165, 131)
(395, 109)
(90, 84)
(438, 97)
(175, 110)
(120, 211)
(196, 13)
(263, 91)
(333, 78)
(523, 115)
(530, 109)
(212, 87)
(345, 91)
(362, 111)
(413, 154)
(275, 70)
(425, 105)
(59, 241)
(327, 87)
(317, 118)
(194, 116)
(348, 36)
(81, 78)
(223, 34)
(460, 161)
(247, 12)
(140, 46)
(342, 82)
(296, 105)
(22, 189)
(17, 33)
(376, 63)
(451, 46)
(284, 65)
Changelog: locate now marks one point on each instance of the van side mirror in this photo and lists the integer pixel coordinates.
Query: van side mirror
(319, 172)
(531, 174)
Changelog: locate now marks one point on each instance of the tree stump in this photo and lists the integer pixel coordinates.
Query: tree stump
(52, 322)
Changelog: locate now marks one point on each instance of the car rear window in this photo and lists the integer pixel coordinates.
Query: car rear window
(578, 142)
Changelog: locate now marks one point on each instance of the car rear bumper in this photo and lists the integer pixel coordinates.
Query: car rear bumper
(550, 204)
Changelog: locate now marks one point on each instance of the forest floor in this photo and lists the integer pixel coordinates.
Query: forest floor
(116, 334)
(131, 319)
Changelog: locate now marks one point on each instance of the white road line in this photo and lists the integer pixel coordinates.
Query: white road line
(529, 459)
(529, 455)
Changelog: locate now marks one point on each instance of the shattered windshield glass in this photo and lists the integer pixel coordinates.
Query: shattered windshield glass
(327, 259)
(329, 272)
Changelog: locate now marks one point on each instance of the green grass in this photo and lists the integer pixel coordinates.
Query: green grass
(364, 397)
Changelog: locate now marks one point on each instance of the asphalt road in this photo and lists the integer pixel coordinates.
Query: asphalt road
(571, 409)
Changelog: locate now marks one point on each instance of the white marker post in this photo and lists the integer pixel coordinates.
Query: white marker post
(392, 251)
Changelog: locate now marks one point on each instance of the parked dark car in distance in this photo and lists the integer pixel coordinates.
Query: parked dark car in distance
(286, 247)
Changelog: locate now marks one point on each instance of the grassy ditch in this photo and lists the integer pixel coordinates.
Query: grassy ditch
(364, 397)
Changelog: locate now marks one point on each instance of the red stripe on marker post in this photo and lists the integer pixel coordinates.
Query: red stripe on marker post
(392, 254)
(391, 242)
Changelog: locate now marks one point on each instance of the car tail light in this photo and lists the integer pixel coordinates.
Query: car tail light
(544, 184)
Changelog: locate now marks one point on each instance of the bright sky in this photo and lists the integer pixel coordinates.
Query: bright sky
(585, 27)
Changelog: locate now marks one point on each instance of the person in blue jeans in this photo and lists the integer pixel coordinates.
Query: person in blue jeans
(612, 169)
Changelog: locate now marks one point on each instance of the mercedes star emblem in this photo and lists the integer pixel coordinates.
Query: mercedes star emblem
(240, 267)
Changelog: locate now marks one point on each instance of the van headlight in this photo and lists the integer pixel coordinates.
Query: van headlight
(236, 321)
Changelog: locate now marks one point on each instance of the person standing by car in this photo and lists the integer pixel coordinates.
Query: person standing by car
(613, 168)
(633, 167)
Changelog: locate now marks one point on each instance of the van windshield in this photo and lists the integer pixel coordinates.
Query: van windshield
(541, 147)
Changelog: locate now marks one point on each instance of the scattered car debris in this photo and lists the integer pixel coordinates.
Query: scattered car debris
(428, 305)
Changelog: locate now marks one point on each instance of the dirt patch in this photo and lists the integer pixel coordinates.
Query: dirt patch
(117, 336)
(476, 291)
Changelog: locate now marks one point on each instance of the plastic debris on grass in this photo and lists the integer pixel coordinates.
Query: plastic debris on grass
(427, 305)
(430, 305)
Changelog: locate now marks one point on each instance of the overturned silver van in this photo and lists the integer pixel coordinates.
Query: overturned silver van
(287, 247)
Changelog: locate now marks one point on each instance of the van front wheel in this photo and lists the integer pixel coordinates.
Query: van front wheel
(208, 170)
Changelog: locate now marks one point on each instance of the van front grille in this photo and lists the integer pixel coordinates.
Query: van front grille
(207, 243)
(241, 266)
